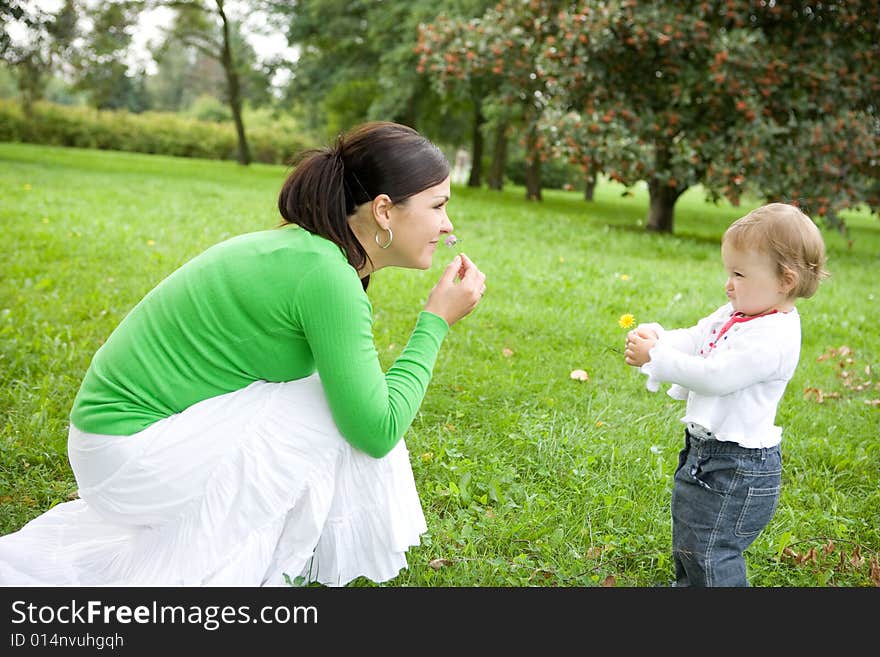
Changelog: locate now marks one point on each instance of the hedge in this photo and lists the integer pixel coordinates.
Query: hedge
(151, 132)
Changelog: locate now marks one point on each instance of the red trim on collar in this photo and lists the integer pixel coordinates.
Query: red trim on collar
(735, 318)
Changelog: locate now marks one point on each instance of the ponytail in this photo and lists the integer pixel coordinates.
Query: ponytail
(314, 197)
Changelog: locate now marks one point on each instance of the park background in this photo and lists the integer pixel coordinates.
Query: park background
(600, 150)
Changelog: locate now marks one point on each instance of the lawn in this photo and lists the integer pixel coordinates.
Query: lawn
(527, 476)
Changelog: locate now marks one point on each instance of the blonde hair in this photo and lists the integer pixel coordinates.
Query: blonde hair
(790, 237)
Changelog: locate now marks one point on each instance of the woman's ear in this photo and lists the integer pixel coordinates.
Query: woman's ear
(381, 206)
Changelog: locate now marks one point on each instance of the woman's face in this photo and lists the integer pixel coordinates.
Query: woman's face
(418, 224)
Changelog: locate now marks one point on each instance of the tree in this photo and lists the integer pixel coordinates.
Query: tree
(777, 97)
(205, 26)
(185, 74)
(335, 75)
(471, 84)
(100, 60)
(47, 37)
(494, 58)
(357, 62)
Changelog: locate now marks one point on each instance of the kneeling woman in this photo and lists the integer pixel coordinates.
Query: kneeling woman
(237, 428)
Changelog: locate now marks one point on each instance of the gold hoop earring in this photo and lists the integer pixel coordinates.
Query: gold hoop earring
(388, 243)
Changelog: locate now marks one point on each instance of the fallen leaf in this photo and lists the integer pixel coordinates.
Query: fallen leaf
(579, 375)
(875, 571)
(507, 353)
(594, 552)
(540, 572)
(828, 548)
(811, 555)
(609, 581)
(818, 394)
(437, 564)
(857, 559)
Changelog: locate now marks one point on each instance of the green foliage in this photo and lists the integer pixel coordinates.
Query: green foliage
(527, 477)
(209, 108)
(778, 100)
(101, 70)
(357, 62)
(774, 98)
(149, 132)
(555, 173)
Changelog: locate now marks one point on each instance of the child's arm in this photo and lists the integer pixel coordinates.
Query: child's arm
(684, 340)
(687, 340)
(726, 372)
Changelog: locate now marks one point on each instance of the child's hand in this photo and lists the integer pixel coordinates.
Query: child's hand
(639, 343)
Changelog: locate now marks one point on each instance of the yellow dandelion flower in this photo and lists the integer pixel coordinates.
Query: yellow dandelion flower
(151, 242)
(626, 320)
(624, 277)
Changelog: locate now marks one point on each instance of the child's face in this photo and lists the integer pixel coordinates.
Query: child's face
(753, 286)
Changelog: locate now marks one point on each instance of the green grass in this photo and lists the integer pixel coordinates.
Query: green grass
(527, 477)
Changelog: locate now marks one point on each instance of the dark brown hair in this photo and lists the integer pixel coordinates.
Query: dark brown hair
(328, 184)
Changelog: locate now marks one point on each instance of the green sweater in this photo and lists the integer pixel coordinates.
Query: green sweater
(274, 305)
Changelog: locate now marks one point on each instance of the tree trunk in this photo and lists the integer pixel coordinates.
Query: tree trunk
(661, 213)
(226, 59)
(475, 179)
(31, 82)
(499, 158)
(589, 185)
(533, 167)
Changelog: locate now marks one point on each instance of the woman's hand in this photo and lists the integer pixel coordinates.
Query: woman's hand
(451, 300)
(639, 343)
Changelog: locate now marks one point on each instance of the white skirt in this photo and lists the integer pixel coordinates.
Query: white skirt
(252, 488)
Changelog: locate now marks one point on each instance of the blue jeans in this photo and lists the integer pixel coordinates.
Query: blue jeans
(723, 495)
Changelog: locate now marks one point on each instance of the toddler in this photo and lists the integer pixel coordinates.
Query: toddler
(732, 367)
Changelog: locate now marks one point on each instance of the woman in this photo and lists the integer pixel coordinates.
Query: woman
(236, 428)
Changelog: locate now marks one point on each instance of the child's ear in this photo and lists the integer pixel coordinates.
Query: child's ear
(788, 280)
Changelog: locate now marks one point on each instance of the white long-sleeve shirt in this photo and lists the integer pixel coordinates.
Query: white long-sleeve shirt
(732, 385)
